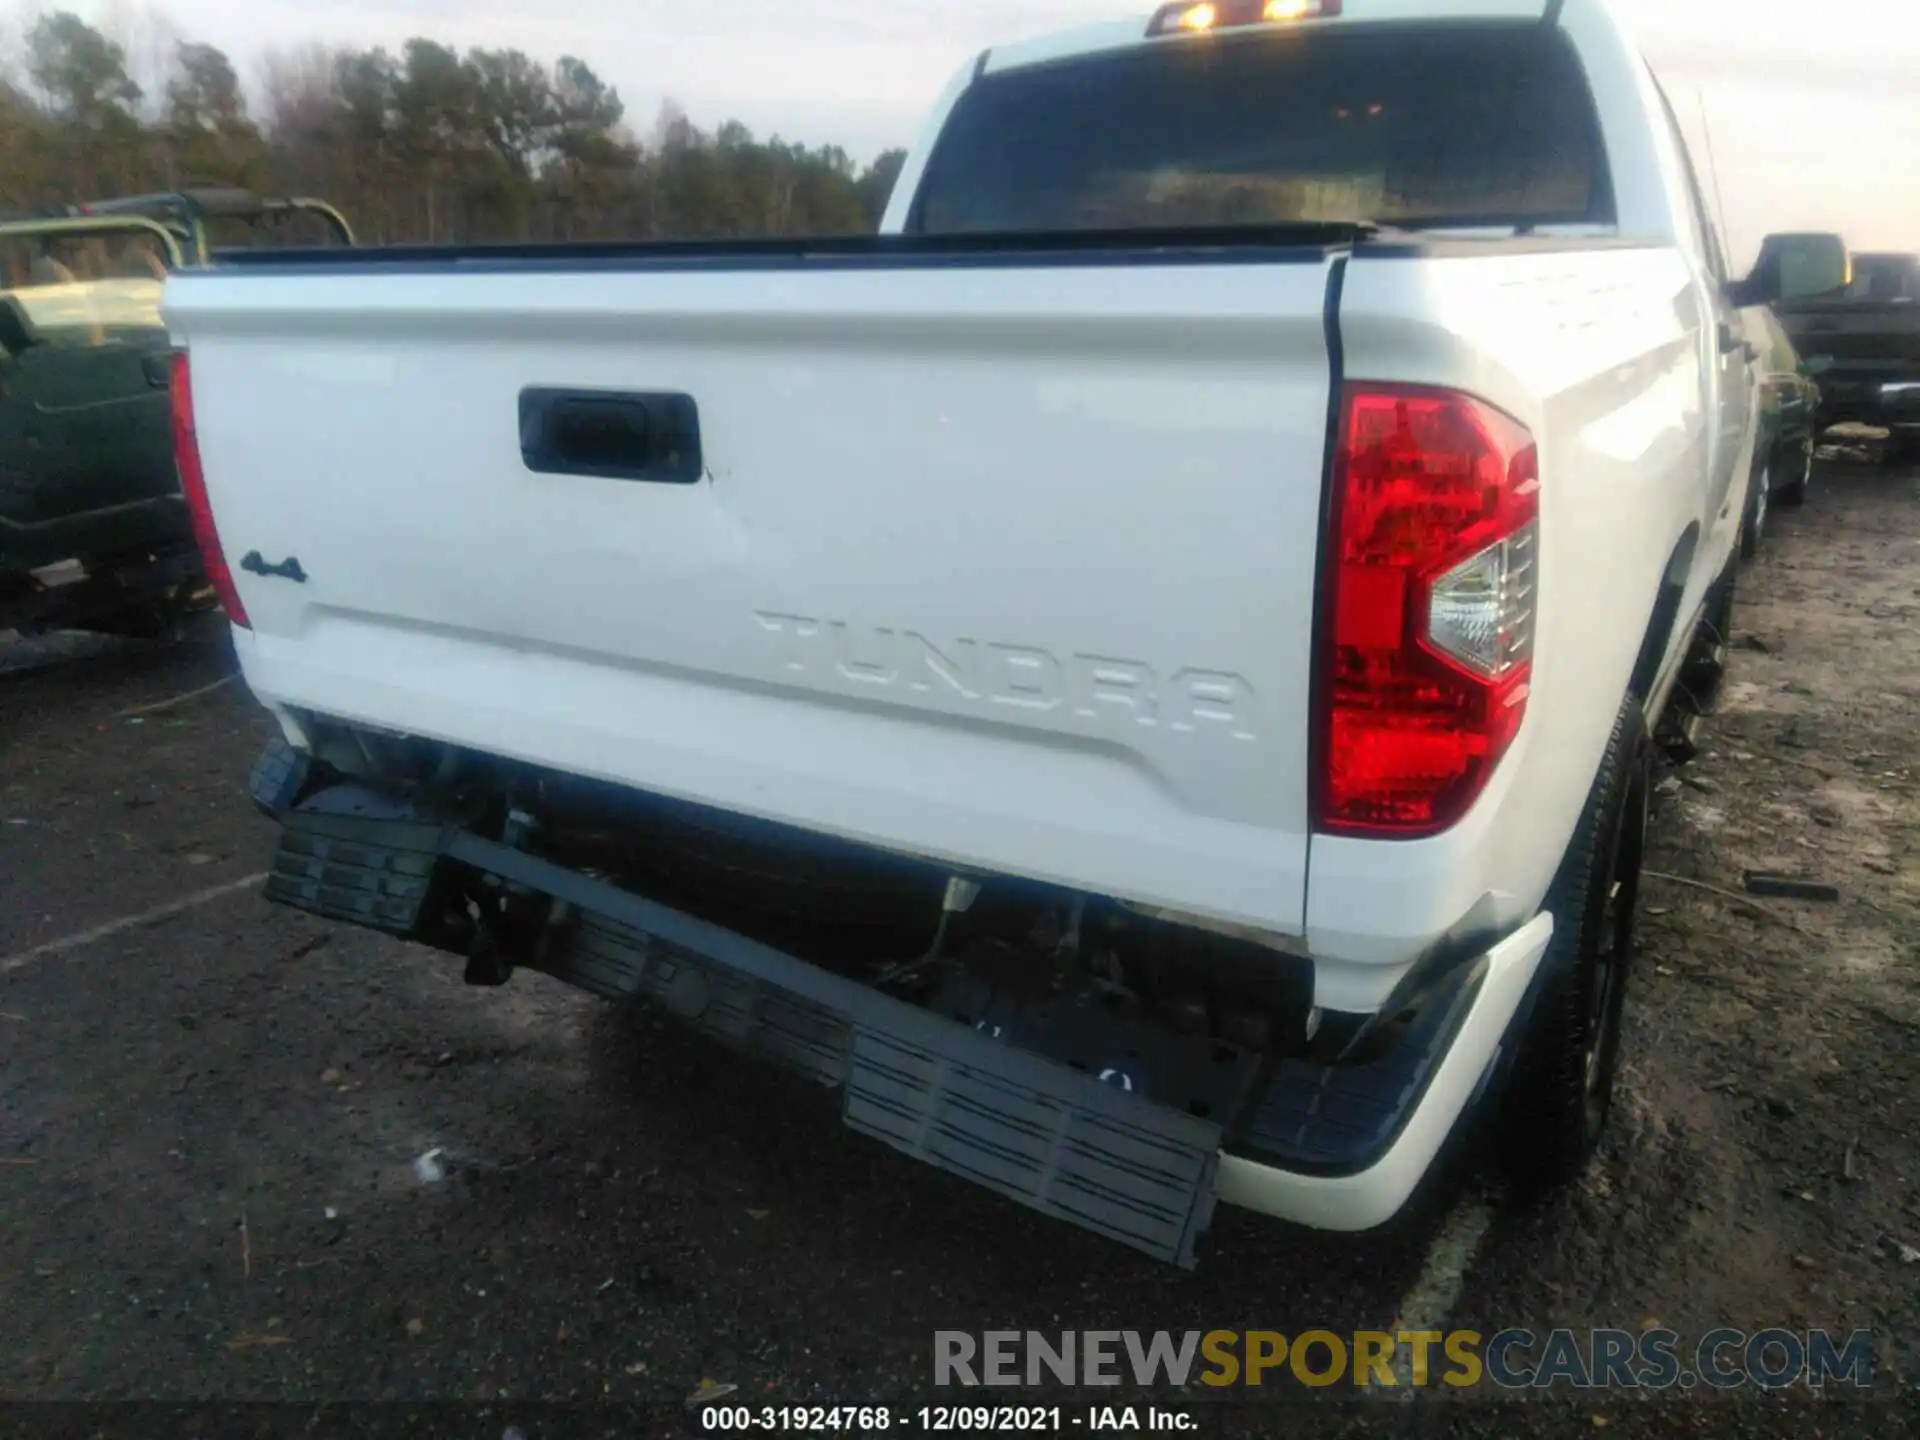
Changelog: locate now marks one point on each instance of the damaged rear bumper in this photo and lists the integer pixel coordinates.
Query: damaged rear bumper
(1457, 1072)
(1338, 1147)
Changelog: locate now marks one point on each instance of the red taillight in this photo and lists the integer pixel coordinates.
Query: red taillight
(193, 486)
(1429, 640)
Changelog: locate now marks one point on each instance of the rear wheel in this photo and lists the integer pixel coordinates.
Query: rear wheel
(1560, 1092)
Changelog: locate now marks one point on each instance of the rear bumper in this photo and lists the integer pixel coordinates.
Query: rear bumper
(1886, 401)
(1462, 1069)
(1335, 1147)
(1900, 404)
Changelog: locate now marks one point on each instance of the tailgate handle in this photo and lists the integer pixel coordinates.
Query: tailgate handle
(611, 434)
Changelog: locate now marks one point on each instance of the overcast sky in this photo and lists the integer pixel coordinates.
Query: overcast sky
(1813, 105)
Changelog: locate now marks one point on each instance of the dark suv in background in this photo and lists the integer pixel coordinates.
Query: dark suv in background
(1862, 345)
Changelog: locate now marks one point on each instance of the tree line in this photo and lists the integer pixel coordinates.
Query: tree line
(429, 144)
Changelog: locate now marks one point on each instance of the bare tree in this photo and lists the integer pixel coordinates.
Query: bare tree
(431, 143)
(151, 42)
(296, 85)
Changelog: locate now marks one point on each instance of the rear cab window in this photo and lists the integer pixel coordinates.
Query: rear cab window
(1427, 125)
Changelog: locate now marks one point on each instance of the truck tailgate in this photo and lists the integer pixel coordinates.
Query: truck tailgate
(1009, 565)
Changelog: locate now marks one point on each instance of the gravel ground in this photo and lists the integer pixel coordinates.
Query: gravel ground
(211, 1122)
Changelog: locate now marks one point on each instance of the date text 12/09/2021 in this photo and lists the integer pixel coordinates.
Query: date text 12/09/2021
(872, 1419)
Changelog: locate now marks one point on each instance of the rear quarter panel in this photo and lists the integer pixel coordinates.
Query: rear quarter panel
(1597, 352)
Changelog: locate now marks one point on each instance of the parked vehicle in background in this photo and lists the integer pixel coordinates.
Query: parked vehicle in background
(93, 531)
(1144, 675)
(1789, 403)
(1862, 345)
(205, 219)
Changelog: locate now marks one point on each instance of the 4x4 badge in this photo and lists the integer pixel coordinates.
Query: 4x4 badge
(288, 568)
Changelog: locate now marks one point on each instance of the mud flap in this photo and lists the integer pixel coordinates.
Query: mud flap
(355, 857)
(1039, 1133)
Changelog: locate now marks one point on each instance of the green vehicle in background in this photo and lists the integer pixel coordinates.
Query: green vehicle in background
(94, 534)
(212, 218)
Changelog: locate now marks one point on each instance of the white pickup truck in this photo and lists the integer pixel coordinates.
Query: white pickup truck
(1142, 675)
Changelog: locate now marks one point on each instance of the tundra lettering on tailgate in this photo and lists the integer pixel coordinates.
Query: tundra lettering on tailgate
(1100, 691)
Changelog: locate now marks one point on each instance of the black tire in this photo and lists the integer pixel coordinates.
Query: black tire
(1715, 637)
(1754, 523)
(1560, 1090)
(1794, 495)
(1901, 452)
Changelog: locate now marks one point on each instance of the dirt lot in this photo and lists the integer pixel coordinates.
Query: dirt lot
(212, 1120)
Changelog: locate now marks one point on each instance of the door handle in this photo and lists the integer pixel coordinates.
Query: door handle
(1731, 340)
